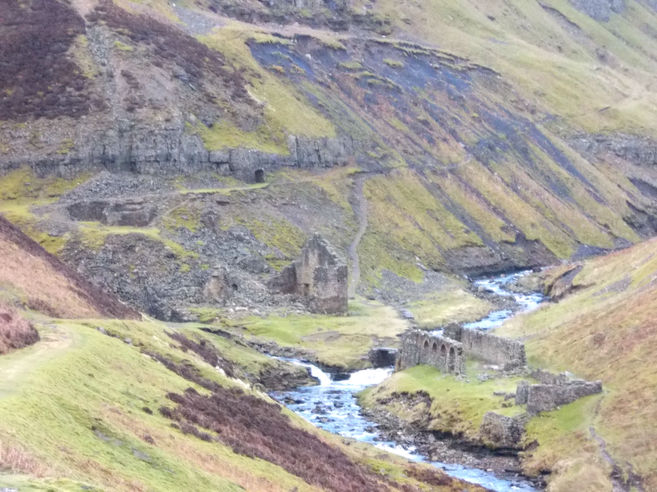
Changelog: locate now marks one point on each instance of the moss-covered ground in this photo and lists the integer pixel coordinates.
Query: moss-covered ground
(452, 305)
(458, 404)
(337, 341)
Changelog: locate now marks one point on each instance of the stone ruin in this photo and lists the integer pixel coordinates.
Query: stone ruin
(133, 212)
(383, 356)
(504, 352)
(420, 347)
(553, 390)
(318, 277)
(447, 352)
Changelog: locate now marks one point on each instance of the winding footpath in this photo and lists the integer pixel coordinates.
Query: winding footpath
(20, 363)
(359, 205)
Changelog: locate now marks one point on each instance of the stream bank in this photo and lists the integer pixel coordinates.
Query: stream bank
(333, 406)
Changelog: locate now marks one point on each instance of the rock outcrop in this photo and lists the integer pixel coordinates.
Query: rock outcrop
(383, 356)
(319, 277)
(600, 10)
(637, 150)
(502, 432)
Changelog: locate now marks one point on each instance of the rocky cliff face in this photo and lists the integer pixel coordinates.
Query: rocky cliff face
(143, 88)
(464, 170)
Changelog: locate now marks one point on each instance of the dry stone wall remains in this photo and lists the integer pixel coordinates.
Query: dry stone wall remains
(553, 391)
(507, 353)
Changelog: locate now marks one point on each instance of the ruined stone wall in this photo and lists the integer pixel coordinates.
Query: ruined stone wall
(419, 347)
(504, 352)
(322, 277)
(553, 391)
(319, 277)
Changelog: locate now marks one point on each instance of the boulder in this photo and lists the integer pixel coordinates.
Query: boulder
(502, 432)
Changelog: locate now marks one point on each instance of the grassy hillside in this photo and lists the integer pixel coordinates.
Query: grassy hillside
(604, 329)
(599, 327)
(81, 408)
(120, 404)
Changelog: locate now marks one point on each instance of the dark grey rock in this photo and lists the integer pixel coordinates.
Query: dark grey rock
(499, 431)
(383, 356)
(600, 10)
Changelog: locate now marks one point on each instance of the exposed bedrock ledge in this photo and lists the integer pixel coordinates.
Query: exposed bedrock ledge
(600, 10)
(167, 150)
(500, 257)
(637, 150)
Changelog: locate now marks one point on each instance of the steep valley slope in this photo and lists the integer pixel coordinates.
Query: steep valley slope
(106, 401)
(165, 160)
(486, 138)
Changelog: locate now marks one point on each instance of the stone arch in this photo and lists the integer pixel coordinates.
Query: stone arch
(451, 365)
(426, 344)
(259, 176)
(434, 347)
(443, 351)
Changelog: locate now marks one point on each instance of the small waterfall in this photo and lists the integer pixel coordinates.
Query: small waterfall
(316, 372)
(333, 406)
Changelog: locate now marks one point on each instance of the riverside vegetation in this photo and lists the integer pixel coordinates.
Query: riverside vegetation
(166, 162)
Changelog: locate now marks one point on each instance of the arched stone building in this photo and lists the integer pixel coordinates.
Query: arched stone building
(420, 347)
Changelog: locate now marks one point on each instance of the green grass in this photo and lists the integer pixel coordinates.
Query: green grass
(604, 331)
(458, 405)
(72, 415)
(452, 305)
(122, 46)
(340, 341)
(351, 65)
(22, 190)
(393, 63)
(182, 216)
(58, 402)
(558, 434)
(407, 221)
(286, 112)
(548, 65)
